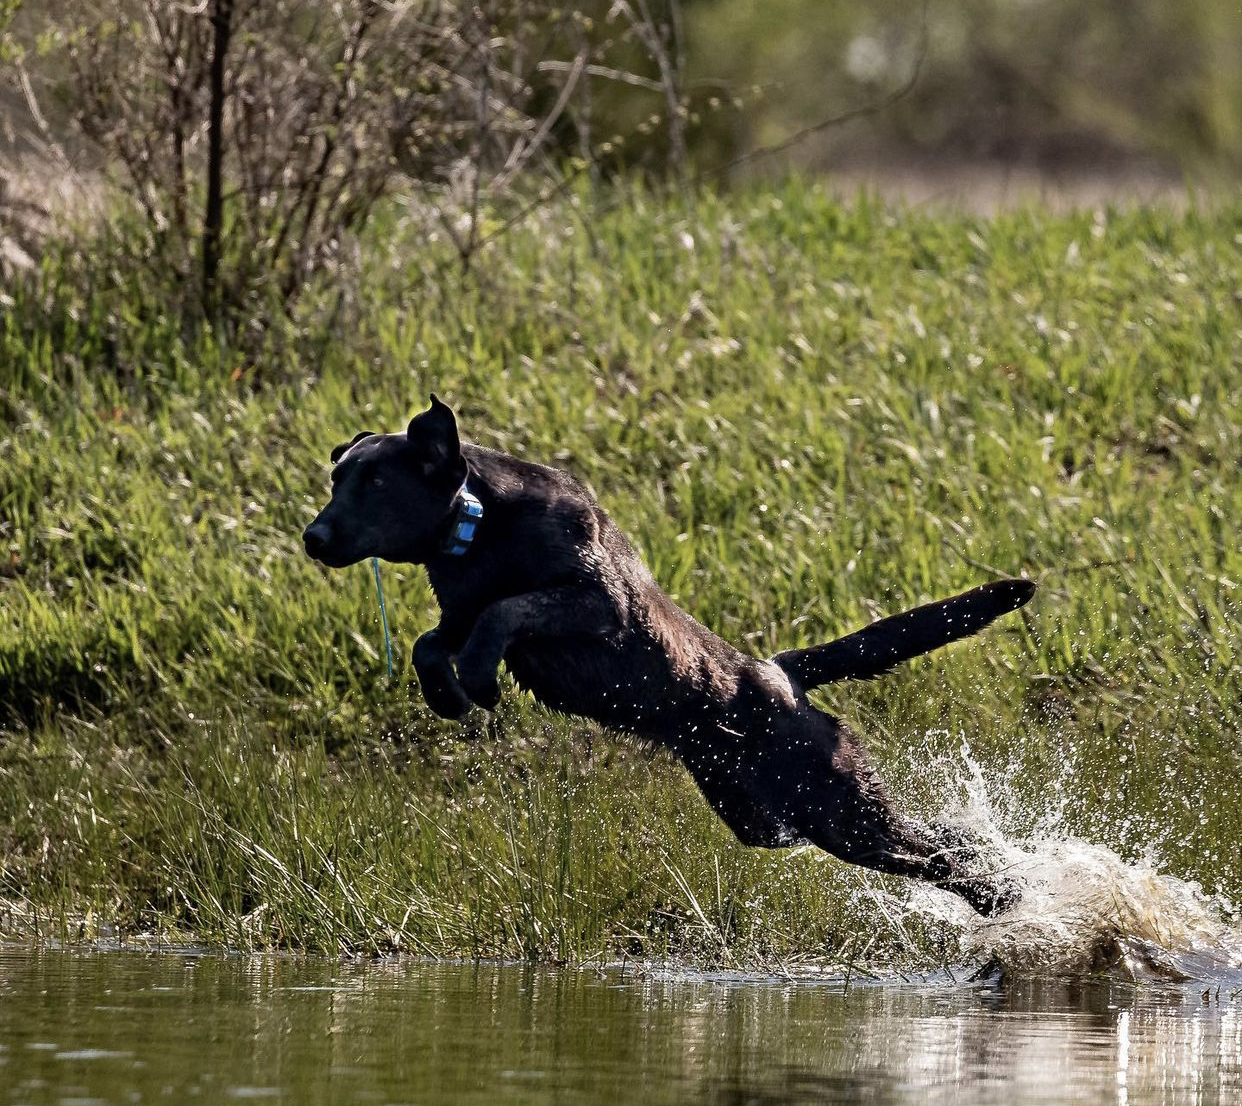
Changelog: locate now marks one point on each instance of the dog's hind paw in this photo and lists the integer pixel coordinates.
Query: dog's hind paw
(989, 896)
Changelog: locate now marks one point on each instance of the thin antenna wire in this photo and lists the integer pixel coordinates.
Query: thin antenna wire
(383, 614)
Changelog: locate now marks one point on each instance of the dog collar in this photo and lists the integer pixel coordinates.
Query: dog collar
(467, 513)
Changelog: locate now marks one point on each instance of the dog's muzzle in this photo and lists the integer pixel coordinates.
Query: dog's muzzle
(316, 537)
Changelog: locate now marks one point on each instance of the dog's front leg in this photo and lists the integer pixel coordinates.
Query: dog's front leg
(433, 664)
(553, 612)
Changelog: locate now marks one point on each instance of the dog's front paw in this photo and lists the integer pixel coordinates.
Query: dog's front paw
(441, 690)
(480, 683)
(477, 670)
(448, 700)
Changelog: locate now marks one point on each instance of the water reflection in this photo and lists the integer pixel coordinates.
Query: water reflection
(125, 1027)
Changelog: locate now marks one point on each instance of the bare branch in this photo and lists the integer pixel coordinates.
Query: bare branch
(619, 75)
(523, 151)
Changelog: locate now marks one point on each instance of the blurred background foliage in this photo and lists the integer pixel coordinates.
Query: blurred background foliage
(253, 139)
(1050, 83)
(1043, 82)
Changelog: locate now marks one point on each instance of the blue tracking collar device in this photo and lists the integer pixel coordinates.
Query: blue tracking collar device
(468, 514)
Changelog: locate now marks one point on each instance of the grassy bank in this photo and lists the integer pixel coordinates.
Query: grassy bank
(805, 414)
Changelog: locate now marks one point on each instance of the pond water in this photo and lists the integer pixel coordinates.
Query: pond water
(81, 1027)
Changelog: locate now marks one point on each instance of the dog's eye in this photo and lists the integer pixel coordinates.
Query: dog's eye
(378, 481)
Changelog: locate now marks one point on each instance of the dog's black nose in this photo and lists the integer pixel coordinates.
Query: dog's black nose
(315, 538)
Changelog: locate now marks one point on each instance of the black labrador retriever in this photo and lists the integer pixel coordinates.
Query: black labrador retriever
(529, 570)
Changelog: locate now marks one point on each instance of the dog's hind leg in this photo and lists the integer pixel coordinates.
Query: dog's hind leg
(727, 786)
(875, 837)
(849, 816)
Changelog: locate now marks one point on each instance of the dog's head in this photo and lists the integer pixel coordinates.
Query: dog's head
(392, 494)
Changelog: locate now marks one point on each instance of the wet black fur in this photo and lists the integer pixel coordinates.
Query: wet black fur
(554, 590)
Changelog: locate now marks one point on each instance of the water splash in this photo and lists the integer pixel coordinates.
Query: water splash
(1084, 908)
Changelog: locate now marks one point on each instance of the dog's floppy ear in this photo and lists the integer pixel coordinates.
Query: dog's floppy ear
(433, 436)
(345, 447)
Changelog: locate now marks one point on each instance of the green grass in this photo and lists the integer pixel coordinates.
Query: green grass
(804, 413)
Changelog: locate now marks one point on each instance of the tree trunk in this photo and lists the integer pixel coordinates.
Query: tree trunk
(213, 214)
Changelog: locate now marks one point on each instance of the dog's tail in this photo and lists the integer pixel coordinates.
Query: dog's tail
(883, 645)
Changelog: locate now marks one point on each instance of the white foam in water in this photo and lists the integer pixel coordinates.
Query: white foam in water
(1085, 909)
